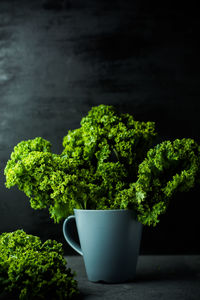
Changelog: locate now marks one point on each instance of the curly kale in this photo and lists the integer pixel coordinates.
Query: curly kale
(99, 159)
(107, 163)
(31, 269)
(169, 167)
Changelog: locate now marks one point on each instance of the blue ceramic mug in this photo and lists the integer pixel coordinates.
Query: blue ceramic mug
(109, 243)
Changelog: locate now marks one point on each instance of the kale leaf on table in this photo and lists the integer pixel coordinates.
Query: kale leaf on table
(31, 269)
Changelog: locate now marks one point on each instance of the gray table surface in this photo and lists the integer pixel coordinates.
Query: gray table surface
(160, 277)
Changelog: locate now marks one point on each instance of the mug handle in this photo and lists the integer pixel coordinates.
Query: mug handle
(68, 225)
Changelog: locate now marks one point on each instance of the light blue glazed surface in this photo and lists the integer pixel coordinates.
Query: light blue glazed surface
(109, 243)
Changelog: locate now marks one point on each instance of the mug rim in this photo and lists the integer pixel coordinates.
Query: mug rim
(120, 209)
(105, 210)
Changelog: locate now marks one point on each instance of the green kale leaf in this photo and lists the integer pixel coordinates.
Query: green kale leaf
(31, 269)
(168, 168)
(107, 163)
(99, 159)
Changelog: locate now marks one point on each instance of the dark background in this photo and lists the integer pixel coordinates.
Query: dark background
(141, 56)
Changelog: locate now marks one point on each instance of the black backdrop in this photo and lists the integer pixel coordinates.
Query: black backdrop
(140, 56)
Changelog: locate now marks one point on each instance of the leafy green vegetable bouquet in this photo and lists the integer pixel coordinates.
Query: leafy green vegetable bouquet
(107, 163)
(30, 269)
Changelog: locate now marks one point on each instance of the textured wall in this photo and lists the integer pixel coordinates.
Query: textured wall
(56, 65)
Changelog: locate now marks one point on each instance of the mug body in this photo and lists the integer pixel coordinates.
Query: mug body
(110, 242)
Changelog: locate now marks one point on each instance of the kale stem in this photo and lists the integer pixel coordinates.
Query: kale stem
(116, 154)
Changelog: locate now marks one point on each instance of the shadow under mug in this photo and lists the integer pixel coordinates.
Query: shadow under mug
(109, 243)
